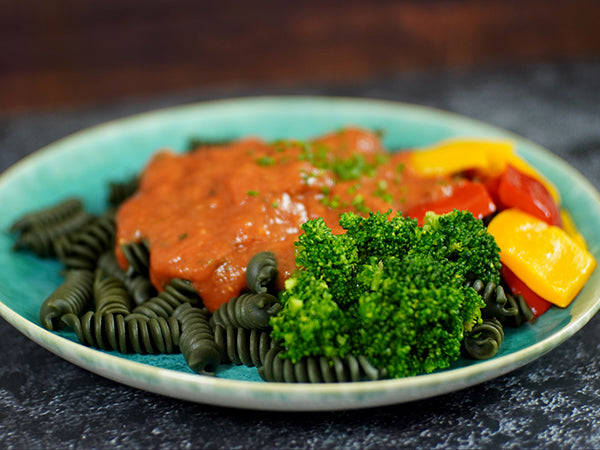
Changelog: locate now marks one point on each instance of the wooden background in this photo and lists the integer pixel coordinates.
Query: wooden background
(72, 52)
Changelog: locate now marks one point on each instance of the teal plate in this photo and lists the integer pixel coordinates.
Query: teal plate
(83, 164)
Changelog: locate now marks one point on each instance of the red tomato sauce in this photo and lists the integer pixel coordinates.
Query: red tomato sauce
(207, 212)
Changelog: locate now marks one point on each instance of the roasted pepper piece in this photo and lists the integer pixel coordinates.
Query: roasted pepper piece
(519, 190)
(465, 196)
(456, 155)
(543, 256)
(489, 158)
(536, 303)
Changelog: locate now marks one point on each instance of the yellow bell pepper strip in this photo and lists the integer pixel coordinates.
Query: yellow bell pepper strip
(569, 226)
(456, 155)
(488, 157)
(543, 256)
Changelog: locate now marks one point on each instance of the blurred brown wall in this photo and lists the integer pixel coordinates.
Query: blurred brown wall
(66, 52)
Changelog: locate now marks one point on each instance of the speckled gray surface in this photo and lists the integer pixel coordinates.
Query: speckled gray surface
(554, 402)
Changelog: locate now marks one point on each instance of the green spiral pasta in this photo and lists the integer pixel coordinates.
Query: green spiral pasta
(44, 239)
(139, 287)
(247, 311)
(525, 313)
(137, 255)
(165, 302)
(243, 346)
(484, 340)
(508, 309)
(497, 303)
(318, 369)
(47, 216)
(119, 191)
(82, 249)
(71, 297)
(197, 143)
(125, 335)
(197, 342)
(110, 295)
(261, 272)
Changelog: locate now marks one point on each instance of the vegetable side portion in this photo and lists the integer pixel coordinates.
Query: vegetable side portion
(387, 289)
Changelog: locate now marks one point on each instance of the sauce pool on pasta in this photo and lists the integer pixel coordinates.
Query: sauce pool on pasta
(206, 213)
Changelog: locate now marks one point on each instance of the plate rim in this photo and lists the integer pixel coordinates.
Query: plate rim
(308, 396)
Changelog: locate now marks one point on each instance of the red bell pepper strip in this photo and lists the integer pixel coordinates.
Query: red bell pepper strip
(466, 196)
(491, 185)
(537, 304)
(521, 191)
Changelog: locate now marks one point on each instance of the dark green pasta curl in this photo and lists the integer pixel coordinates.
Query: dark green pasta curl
(318, 369)
(125, 335)
(47, 216)
(261, 272)
(82, 249)
(43, 240)
(140, 288)
(110, 295)
(119, 191)
(484, 340)
(508, 309)
(247, 311)
(176, 293)
(525, 313)
(197, 143)
(243, 346)
(137, 255)
(197, 342)
(497, 303)
(71, 297)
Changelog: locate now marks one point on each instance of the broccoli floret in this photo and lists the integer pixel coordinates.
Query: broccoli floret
(386, 289)
(413, 317)
(461, 238)
(378, 235)
(329, 257)
(311, 323)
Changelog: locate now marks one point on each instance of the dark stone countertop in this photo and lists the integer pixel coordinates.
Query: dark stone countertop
(554, 402)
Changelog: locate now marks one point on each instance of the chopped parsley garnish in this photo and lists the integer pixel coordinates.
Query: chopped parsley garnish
(344, 169)
(265, 161)
(382, 192)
